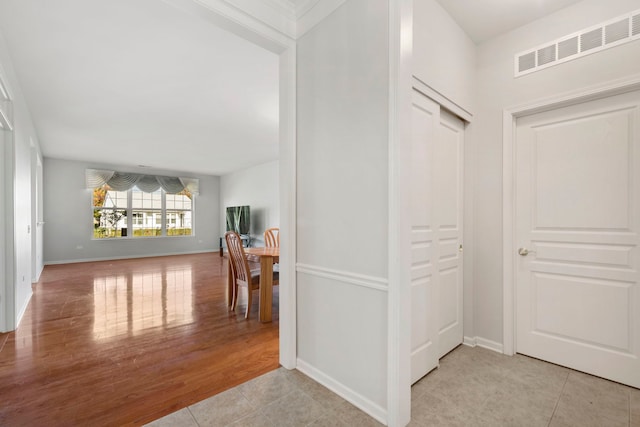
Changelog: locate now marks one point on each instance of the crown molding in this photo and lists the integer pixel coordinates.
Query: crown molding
(227, 16)
(277, 14)
(311, 12)
(286, 7)
(289, 17)
(304, 6)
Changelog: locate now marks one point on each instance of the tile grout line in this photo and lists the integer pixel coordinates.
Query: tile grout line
(192, 416)
(559, 397)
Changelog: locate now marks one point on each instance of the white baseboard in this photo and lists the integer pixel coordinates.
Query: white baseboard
(38, 273)
(469, 341)
(484, 343)
(356, 399)
(23, 309)
(74, 261)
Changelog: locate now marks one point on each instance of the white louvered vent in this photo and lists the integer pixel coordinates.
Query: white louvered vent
(567, 47)
(591, 40)
(614, 32)
(547, 54)
(527, 61)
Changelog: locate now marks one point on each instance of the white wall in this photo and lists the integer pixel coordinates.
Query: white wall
(498, 89)
(69, 226)
(342, 202)
(444, 57)
(257, 187)
(17, 199)
(5, 249)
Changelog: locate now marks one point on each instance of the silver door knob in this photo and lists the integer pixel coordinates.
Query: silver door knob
(524, 252)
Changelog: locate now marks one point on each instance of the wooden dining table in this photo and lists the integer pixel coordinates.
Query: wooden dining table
(266, 257)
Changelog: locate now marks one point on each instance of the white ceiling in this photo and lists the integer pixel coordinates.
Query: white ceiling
(142, 83)
(485, 19)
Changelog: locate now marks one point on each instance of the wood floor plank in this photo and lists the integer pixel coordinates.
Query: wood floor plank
(126, 342)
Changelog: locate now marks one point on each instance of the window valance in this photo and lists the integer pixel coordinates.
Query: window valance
(123, 181)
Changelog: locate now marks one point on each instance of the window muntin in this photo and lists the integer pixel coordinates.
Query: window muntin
(142, 200)
(135, 213)
(138, 219)
(149, 207)
(109, 212)
(179, 213)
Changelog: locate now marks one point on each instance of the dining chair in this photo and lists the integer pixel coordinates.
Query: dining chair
(272, 237)
(242, 274)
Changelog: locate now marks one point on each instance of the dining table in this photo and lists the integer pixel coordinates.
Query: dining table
(266, 257)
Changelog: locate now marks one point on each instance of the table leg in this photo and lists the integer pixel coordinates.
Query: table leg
(266, 288)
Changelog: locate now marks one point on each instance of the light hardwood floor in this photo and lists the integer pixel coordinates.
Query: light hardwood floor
(126, 342)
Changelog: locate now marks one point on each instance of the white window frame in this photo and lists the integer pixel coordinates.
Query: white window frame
(163, 218)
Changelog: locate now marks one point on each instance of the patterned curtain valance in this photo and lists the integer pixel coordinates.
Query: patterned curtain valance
(123, 181)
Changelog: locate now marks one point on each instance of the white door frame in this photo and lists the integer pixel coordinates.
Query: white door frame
(252, 29)
(36, 207)
(510, 115)
(7, 285)
(399, 225)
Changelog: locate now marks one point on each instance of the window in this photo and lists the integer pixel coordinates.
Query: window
(109, 212)
(178, 212)
(149, 207)
(138, 219)
(145, 214)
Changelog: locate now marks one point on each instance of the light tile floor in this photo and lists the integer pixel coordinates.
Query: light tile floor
(472, 387)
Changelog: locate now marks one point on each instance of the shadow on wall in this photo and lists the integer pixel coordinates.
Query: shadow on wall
(258, 226)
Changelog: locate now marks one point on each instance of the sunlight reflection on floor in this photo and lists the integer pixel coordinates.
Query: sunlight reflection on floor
(132, 303)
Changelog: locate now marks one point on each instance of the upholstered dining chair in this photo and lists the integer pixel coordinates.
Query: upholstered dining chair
(242, 275)
(272, 237)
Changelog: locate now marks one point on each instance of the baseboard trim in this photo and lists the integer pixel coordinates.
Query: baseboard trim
(23, 309)
(484, 343)
(377, 283)
(469, 341)
(38, 274)
(356, 399)
(75, 261)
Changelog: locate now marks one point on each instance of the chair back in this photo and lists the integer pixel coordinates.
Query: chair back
(272, 237)
(237, 258)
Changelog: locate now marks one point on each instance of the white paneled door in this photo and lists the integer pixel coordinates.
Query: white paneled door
(436, 234)
(577, 220)
(446, 208)
(424, 332)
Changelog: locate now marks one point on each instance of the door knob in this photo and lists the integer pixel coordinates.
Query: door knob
(525, 252)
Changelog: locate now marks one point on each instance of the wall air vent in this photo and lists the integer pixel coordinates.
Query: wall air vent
(567, 47)
(547, 54)
(591, 40)
(614, 32)
(527, 61)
